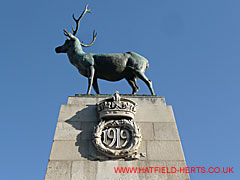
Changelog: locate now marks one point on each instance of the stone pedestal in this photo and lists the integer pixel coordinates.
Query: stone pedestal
(74, 156)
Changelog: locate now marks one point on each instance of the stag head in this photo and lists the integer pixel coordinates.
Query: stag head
(73, 42)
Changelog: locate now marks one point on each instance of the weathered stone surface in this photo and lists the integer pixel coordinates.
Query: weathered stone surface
(70, 150)
(65, 131)
(147, 130)
(106, 170)
(164, 150)
(165, 131)
(82, 110)
(154, 114)
(74, 157)
(85, 99)
(143, 149)
(139, 99)
(84, 170)
(58, 170)
(74, 130)
(94, 154)
(76, 112)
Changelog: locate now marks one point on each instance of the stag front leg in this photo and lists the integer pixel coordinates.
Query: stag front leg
(91, 72)
(95, 85)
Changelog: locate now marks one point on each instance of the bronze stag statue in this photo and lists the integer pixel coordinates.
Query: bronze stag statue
(111, 67)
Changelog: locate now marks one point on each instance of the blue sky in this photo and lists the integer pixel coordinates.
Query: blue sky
(193, 47)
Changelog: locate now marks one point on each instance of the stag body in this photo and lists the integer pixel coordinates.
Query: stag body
(111, 67)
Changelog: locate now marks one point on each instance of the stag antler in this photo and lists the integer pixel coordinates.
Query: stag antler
(94, 37)
(86, 10)
(68, 34)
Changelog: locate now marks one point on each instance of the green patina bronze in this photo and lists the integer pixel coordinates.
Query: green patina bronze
(111, 67)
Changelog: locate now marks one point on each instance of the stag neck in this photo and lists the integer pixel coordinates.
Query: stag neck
(75, 51)
(74, 55)
(78, 50)
(77, 47)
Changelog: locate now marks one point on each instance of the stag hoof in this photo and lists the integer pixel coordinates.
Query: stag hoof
(135, 91)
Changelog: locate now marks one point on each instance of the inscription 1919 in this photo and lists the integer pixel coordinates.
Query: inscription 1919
(116, 137)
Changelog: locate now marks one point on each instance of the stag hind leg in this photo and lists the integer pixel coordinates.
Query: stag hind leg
(132, 82)
(143, 77)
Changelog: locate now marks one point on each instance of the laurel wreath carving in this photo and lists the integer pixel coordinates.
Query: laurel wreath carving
(127, 152)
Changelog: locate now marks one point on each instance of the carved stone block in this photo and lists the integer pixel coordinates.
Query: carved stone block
(91, 140)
